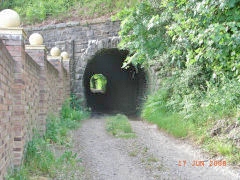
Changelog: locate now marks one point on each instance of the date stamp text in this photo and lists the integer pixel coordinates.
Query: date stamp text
(200, 163)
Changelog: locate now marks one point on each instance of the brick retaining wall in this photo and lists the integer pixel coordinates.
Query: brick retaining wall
(6, 107)
(30, 88)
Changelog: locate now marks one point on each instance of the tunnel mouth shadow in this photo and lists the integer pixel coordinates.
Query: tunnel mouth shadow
(125, 88)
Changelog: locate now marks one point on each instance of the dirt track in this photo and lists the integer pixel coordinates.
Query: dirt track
(151, 155)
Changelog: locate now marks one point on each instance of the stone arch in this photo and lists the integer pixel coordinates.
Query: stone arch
(93, 47)
(125, 87)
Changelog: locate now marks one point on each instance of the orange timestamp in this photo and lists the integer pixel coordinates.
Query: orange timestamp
(200, 163)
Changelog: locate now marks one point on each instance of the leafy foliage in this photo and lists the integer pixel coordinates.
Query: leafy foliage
(182, 33)
(194, 46)
(142, 33)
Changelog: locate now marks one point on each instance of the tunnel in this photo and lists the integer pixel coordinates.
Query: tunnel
(124, 88)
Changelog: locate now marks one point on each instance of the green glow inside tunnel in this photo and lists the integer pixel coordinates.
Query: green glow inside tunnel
(98, 83)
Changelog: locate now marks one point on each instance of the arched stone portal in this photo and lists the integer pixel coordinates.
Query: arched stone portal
(124, 88)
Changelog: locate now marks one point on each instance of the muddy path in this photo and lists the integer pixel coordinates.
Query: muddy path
(151, 155)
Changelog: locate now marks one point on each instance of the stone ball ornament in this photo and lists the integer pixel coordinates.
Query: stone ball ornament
(36, 39)
(9, 18)
(55, 51)
(65, 56)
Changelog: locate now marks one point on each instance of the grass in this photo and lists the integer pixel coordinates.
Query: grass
(222, 148)
(151, 158)
(40, 158)
(133, 153)
(225, 149)
(170, 122)
(37, 11)
(179, 127)
(57, 127)
(119, 126)
(102, 7)
(197, 124)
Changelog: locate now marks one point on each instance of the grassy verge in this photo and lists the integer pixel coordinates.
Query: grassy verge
(155, 112)
(119, 126)
(170, 122)
(196, 125)
(40, 158)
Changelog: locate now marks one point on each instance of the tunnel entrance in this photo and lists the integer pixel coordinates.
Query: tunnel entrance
(124, 88)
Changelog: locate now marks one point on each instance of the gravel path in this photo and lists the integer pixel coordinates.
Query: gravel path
(151, 155)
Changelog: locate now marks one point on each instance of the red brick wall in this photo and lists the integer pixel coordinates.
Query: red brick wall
(6, 107)
(52, 75)
(32, 71)
(63, 82)
(30, 88)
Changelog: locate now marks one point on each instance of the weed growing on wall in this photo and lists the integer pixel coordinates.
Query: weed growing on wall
(40, 159)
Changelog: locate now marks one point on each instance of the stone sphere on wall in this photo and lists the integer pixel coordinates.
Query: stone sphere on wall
(9, 18)
(55, 51)
(65, 55)
(36, 39)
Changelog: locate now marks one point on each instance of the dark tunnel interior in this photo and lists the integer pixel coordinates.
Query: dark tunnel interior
(125, 88)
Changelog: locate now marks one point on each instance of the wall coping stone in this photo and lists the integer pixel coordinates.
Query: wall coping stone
(54, 58)
(13, 31)
(70, 24)
(36, 47)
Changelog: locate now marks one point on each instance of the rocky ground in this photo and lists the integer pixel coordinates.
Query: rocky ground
(151, 155)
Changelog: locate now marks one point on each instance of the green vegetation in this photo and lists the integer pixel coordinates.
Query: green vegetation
(155, 112)
(40, 159)
(36, 11)
(195, 45)
(96, 8)
(98, 83)
(119, 126)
